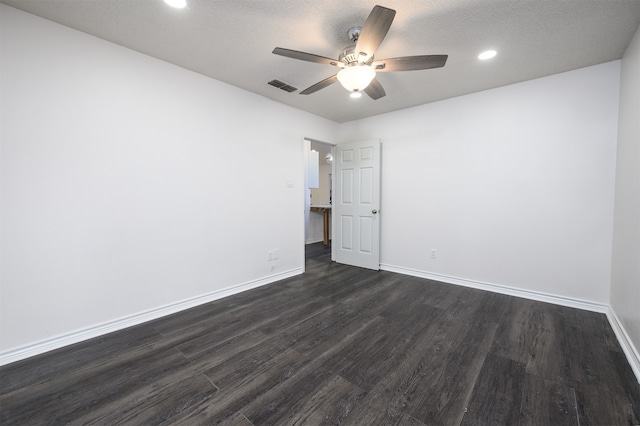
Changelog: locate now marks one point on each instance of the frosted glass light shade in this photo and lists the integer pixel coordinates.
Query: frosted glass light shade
(487, 55)
(178, 4)
(356, 78)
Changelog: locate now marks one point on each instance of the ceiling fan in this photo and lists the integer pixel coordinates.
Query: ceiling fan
(357, 63)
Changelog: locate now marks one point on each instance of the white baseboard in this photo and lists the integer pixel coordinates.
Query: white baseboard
(57, 342)
(47, 345)
(630, 351)
(497, 288)
(315, 240)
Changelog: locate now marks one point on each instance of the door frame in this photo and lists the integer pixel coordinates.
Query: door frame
(306, 146)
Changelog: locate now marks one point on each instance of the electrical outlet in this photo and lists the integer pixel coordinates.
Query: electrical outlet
(433, 253)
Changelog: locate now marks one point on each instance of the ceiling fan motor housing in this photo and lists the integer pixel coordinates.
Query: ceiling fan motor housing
(349, 56)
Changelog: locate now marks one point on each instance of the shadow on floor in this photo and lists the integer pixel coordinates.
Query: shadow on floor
(314, 250)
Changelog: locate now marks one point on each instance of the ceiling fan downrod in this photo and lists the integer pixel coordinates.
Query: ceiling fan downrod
(354, 33)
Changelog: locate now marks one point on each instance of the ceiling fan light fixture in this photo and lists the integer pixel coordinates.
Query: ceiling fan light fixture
(356, 95)
(356, 78)
(178, 4)
(357, 63)
(488, 54)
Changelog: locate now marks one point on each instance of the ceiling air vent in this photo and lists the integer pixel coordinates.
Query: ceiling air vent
(282, 86)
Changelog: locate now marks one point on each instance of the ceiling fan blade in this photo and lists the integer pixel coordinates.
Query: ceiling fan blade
(320, 85)
(375, 90)
(374, 30)
(303, 56)
(410, 63)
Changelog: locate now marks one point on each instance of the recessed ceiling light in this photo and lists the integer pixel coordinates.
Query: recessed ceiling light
(178, 4)
(487, 54)
(356, 95)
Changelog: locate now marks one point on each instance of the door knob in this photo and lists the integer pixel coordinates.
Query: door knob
(374, 211)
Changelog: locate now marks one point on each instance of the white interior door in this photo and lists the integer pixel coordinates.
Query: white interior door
(356, 204)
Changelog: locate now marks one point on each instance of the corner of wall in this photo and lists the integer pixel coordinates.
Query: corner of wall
(625, 342)
(624, 296)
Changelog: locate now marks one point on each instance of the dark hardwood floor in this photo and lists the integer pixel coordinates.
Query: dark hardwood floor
(338, 345)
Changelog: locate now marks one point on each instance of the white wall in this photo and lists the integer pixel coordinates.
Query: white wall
(625, 270)
(126, 184)
(513, 186)
(130, 184)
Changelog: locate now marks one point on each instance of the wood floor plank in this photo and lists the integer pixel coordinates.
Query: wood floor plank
(315, 334)
(628, 384)
(547, 402)
(244, 364)
(519, 331)
(375, 417)
(533, 333)
(369, 352)
(373, 293)
(594, 326)
(407, 299)
(279, 403)
(242, 389)
(549, 354)
(238, 420)
(233, 398)
(275, 405)
(337, 290)
(444, 295)
(348, 295)
(228, 349)
(157, 403)
(410, 382)
(330, 405)
(384, 403)
(84, 391)
(88, 355)
(211, 333)
(337, 344)
(175, 323)
(263, 314)
(294, 315)
(497, 395)
(439, 390)
(599, 405)
(588, 354)
(319, 332)
(331, 276)
(383, 351)
(490, 306)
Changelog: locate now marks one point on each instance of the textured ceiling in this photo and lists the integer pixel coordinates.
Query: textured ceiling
(232, 40)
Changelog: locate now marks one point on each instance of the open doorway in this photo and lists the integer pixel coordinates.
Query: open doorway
(318, 198)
